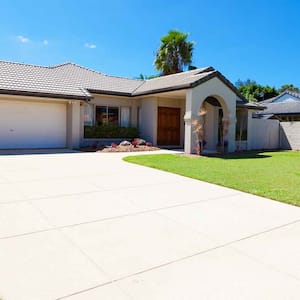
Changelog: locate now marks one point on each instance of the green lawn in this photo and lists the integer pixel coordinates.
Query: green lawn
(274, 175)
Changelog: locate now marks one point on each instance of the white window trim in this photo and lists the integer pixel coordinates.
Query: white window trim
(119, 113)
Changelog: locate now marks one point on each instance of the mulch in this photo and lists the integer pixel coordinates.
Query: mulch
(119, 148)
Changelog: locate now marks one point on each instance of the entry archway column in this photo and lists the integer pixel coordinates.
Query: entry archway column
(192, 105)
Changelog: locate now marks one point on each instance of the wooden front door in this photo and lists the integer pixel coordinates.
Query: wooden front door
(168, 126)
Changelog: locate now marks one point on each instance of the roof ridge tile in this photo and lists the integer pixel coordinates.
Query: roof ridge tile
(23, 64)
(193, 72)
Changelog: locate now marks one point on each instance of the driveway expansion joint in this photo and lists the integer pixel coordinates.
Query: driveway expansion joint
(142, 212)
(182, 259)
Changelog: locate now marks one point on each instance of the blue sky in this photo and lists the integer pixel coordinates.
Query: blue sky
(254, 39)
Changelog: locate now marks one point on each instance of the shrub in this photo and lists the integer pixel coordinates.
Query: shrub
(107, 131)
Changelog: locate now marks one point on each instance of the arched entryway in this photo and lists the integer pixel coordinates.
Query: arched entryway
(213, 123)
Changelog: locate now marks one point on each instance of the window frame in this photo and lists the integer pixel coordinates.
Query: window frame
(107, 107)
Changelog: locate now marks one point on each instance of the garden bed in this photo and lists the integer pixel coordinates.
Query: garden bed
(136, 145)
(129, 149)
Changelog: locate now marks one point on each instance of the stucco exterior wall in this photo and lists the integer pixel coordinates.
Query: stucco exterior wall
(73, 124)
(113, 101)
(195, 98)
(263, 134)
(147, 108)
(290, 135)
(148, 119)
(106, 100)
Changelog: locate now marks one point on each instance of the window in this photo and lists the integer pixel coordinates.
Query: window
(139, 118)
(241, 125)
(114, 116)
(125, 116)
(107, 115)
(88, 114)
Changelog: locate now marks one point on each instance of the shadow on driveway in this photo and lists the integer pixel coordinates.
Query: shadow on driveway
(35, 151)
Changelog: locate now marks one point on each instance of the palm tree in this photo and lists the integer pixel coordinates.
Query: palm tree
(174, 54)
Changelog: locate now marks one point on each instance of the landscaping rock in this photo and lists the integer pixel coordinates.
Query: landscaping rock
(129, 149)
(125, 143)
(140, 142)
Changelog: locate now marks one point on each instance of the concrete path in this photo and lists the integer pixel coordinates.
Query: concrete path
(90, 226)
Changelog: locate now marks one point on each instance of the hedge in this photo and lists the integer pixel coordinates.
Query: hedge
(110, 132)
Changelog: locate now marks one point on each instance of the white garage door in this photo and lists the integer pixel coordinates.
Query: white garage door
(32, 125)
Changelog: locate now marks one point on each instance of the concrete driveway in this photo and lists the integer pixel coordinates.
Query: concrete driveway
(90, 226)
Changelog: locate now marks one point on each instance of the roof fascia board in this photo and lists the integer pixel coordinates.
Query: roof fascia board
(287, 113)
(43, 95)
(158, 91)
(112, 93)
(244, 105)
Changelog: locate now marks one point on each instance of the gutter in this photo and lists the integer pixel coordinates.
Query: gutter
(109, 93)
(43, 95)
(249, 106)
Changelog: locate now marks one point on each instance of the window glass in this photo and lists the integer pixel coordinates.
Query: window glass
(113, 116)
(88, 114)
(101, 115)
(125, 116)
(139, 118)
(107, 115)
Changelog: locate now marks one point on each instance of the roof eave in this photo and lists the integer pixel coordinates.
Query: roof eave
(196, 83)
(112, 93)
(285, 113)
(249, 106)
(163, 90)
(43, 94)
(224, 80)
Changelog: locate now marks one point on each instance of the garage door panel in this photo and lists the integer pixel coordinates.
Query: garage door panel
(32, 125)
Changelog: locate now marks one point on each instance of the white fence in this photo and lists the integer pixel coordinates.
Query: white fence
(263, 134)
(290, 135)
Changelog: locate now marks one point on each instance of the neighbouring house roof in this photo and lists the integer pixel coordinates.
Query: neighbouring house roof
(277, 98)
(72, 81)
(279, 106)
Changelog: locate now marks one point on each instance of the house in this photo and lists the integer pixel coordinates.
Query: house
(286, 109)
(48, 107)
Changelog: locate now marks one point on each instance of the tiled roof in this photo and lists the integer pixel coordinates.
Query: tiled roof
(274, 99)
(283, 107)
(73, 81)
(295, 94)
(62, 80)
(278, 108)
(174, 81)
(251, 105)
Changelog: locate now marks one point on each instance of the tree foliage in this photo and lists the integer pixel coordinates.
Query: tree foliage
(145, 77)
(174, 54)
(255, 92)
(288, 86)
